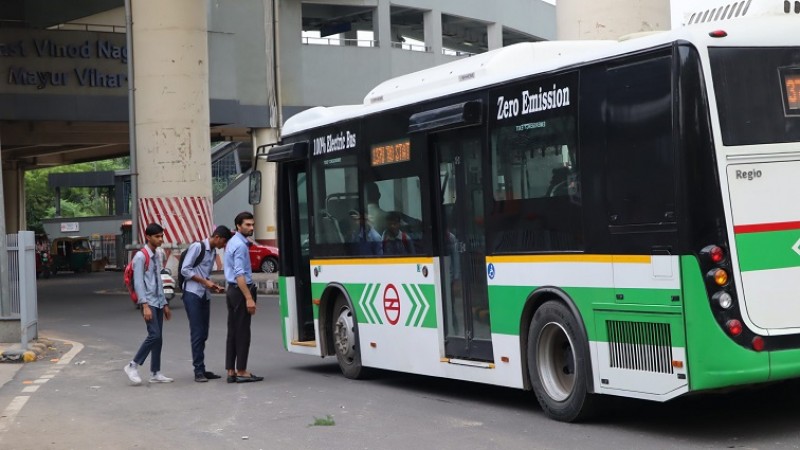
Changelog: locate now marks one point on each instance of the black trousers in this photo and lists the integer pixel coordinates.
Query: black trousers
(237, 347)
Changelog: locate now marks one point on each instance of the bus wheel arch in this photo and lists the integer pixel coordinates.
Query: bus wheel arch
(535, 301)
(338, 324)
(326, 303)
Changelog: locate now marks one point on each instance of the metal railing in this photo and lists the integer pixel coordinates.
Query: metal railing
(451, 52)
(411, 47)
(22, 283)
(110, 248)
(90, 27)
(339, 42)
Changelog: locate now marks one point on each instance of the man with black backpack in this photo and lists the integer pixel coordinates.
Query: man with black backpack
(195, 266)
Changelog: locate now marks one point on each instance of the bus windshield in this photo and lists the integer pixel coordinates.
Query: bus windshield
(758, 94)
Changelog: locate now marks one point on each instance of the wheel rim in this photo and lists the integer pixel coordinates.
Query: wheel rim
(268, 266)
(343, 335)
(555, 360)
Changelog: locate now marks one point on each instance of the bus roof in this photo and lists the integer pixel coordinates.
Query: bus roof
(741, 18)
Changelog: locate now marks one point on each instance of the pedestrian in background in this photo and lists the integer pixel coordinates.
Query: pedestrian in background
(196, 266)
(150, 292)
(241, 299)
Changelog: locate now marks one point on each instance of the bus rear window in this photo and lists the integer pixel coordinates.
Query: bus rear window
(757, 94)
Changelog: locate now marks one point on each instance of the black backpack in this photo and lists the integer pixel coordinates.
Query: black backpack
(197, 261)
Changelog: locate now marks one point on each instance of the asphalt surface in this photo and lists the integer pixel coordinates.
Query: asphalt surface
(88, 402)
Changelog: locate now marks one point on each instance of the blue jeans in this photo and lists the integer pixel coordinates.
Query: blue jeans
(152, 344)
(198, 310)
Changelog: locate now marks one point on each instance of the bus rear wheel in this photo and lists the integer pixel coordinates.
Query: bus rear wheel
(345, 339)
(558, 363)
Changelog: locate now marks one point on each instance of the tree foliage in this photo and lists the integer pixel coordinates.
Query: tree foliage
(75, 202)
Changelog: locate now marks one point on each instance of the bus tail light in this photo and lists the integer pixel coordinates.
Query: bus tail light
(720, 276)
(714, 253)
(734, 327)
(718, 33)
(723, 299)
(758, 343)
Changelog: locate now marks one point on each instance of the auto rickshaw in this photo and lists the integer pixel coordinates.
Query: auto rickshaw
(71, 254)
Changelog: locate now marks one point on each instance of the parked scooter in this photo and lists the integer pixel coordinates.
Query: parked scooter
(169, 284)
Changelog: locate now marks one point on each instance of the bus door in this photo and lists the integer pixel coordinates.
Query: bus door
(461, 244)
(293, 240)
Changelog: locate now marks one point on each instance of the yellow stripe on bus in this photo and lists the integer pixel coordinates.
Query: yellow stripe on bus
(369, 261)
(628, 259)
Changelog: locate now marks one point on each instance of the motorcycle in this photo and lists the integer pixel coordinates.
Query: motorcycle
(43, 263)
(169, 284)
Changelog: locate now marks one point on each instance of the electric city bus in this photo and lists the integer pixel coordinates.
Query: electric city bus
(571, 218)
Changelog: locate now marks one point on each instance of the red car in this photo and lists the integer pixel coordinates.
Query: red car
(263, 258)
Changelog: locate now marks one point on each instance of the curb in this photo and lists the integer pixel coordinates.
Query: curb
(32, 352)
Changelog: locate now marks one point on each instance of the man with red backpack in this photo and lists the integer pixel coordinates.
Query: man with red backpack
(147, 267)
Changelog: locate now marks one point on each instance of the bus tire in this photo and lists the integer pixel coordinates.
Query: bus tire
(344, 329)
(557, 364)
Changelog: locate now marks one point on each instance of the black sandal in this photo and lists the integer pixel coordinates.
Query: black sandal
(248, 379)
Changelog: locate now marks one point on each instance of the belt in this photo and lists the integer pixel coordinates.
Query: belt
(235, 284)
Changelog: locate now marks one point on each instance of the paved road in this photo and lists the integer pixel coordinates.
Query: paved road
(89, 404)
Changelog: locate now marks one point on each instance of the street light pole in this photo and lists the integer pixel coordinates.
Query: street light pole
(5, 294)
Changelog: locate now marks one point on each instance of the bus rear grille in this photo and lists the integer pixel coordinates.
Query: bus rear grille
(642, 346)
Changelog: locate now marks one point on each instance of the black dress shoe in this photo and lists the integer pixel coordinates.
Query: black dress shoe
(248, 379)
(232, 378)
(200, 378)
(211, 375)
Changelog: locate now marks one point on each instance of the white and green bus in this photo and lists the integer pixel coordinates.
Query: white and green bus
(572, 218)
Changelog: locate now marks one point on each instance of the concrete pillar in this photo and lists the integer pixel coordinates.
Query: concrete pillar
(265, 213)
(494, 32)
(13, 195)
(384, 21)
(609, 19)
(173, 156)
(432, 24)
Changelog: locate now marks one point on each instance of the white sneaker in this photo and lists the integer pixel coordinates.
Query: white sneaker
(133, 374)
(158, 377)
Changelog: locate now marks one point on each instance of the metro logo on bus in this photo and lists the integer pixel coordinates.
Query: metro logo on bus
(391, 304)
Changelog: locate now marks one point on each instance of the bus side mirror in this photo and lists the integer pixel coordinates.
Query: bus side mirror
(255, 187)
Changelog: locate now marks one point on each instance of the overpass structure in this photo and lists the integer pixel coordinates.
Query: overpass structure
(160, 81)
(77, 77)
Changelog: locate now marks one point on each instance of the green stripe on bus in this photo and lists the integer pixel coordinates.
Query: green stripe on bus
(769, 250)
(284, 305)
(507, 302)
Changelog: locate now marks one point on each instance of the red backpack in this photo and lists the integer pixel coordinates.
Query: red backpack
(127, 276)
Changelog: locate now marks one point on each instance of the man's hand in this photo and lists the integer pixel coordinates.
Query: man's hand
(208, 284)
(167, 312)
(148, 315)
(251, 306)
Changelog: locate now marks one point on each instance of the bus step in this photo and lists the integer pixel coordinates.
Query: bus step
(305, 343)
(466, 362)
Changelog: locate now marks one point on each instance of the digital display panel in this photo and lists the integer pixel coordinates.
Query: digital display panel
(393, 152)
(791, 82)
(790, 85)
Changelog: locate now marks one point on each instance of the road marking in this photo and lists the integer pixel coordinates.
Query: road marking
(12, 410)
(67, 358)
(8, 415)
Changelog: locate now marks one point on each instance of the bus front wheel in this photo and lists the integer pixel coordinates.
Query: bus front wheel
(345, 339)
(557, 363)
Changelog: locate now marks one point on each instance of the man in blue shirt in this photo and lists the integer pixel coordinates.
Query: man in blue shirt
(195, 269)
(150, 291)
(241, 300)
